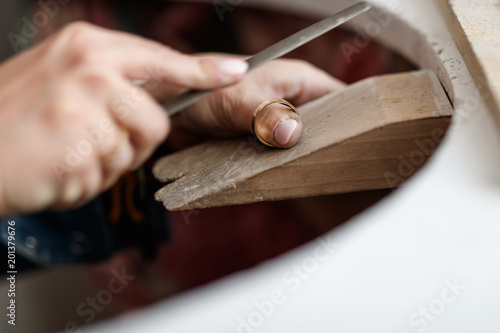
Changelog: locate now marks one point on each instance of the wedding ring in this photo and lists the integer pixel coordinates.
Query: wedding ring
(261, 107)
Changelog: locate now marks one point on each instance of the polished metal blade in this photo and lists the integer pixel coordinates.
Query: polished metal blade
(275, 51)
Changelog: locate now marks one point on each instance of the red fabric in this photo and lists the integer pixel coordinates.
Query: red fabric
(101, 13)
(219, 241)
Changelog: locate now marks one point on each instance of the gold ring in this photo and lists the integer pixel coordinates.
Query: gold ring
(261, 107)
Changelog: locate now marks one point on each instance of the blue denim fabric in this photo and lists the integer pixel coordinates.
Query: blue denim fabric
(59, 238)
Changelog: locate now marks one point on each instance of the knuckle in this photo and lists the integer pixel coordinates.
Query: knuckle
(79, 35)
(89, 172)
(157, 132)
(232, 109)
(111, 139)
(162, 56)
(208, 72)
(85, 58)
(78, 42)
(97, 79)
(226, 104)
(61, 109)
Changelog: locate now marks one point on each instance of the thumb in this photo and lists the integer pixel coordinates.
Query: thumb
(232, 113)
(276, 123)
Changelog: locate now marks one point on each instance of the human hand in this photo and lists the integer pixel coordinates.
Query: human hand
(229, 111)
(72, 122)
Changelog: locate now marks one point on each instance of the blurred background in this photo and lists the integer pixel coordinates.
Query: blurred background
(7, 24)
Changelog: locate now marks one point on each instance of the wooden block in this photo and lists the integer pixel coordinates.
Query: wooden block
(475, 25)
(363, 137)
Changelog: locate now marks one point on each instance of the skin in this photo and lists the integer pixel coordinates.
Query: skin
(229, 111)
(81, 108)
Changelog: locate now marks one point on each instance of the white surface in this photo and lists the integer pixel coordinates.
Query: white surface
(392, 260)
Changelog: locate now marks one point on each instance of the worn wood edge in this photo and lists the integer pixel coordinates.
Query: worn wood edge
(379, 168)
(476, 69)
(174, 166)
(378, 121)
(183, 160)
(197, 159)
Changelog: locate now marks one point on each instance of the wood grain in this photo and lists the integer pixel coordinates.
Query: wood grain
(357, 139)
(475, 26)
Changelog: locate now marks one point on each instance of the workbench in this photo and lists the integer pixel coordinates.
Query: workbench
(422, 260)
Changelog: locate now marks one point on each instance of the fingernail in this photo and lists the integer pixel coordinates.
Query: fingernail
(73, 191)
(233, 67)
(43, 195)
(284, 131)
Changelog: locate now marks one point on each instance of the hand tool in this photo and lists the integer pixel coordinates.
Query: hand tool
(275, 51)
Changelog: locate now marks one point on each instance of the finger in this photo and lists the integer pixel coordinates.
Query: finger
(113, 128)
(97, 147)
(232, 111)
(88, 131)
(162, 91)
(296, 81)
(138, 58)
(229, 111)
(96, 172)
(119, 159)
(27, 186)
(81, 185)
(278, 126)
(144, 121)
(159, 64)
(100, 129)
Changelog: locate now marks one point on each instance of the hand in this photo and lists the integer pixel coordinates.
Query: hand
(229, 111)
(71, 121)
